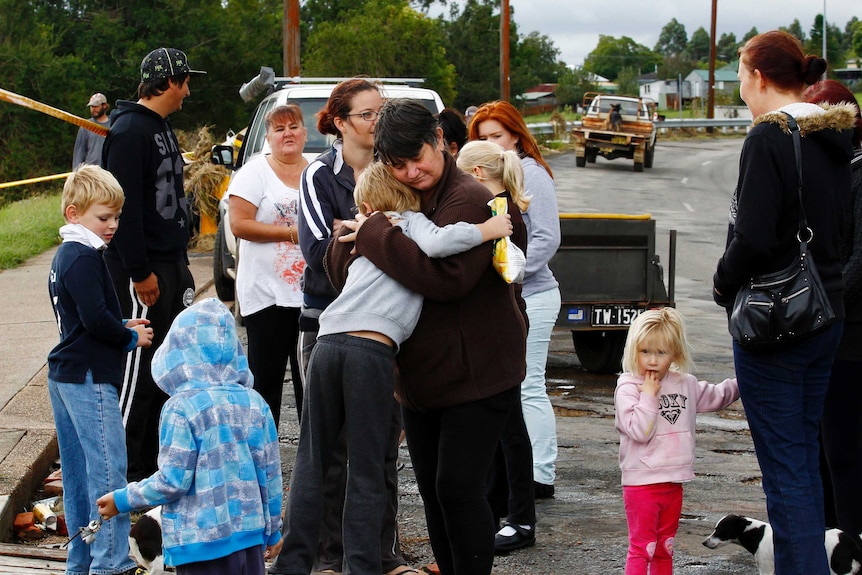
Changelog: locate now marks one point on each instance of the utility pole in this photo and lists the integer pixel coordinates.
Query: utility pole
(290, 35)
(710, 107)
(504, 51)
(824, 36)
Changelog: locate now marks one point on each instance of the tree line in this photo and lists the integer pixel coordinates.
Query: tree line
(61, 51)
(623, 60)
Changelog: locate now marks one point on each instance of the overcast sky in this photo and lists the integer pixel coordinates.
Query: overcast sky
(575, 25)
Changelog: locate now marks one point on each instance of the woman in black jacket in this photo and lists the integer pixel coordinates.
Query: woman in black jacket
(841, 428)
(783, 388)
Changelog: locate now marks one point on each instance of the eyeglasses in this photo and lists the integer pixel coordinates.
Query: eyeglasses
(368, 115)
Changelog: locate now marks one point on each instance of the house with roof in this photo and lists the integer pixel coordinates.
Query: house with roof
(852, 72)
(665, 93)
(725, 81)
(539, 99)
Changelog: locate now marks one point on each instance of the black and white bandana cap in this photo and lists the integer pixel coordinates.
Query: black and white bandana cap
(164, 63)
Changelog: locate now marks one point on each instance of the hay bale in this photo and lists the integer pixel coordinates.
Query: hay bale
(204, 181)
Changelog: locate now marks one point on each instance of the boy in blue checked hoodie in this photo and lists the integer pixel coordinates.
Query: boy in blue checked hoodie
(219, 477)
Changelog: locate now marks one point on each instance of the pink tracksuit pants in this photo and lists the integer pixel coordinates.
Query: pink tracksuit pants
(652, 513)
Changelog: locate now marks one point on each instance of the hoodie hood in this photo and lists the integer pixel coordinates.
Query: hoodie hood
(629, 378)
(829, 124)
(201, 350)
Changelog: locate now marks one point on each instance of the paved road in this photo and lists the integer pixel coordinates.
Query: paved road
(582, 529)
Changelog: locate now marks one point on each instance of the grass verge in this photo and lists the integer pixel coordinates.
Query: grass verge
(28, 228)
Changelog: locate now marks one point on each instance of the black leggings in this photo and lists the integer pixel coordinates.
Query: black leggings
(841, 440)
(511, 492)
(452, 450)
(272, 334)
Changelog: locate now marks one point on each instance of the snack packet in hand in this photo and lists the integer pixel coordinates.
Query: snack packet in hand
(509, 260)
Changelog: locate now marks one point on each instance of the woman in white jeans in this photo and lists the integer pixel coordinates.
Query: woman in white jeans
(500, 122)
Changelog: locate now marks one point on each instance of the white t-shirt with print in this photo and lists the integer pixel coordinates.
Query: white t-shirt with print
(269, 272)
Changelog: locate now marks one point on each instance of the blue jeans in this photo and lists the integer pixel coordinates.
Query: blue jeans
(542, 309)
(93, 458)
(783, 393)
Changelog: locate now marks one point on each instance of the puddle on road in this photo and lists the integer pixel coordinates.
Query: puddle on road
(573, 383)
(568, 412)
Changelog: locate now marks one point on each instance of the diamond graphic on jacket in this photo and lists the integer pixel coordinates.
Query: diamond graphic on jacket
(671, 415)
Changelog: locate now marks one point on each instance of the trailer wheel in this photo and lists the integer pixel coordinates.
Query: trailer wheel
(600, 351)
(580, 161)
(639, 166)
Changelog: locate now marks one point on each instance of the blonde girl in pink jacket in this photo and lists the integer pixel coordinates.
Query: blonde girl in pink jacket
(656, 403)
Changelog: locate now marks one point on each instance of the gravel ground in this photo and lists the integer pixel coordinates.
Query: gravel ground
(582, 528)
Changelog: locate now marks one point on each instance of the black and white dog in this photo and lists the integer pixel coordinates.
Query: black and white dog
(145, 542)
(843, 549)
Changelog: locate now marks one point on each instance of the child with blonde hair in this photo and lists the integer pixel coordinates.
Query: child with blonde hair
(351, 378)
(497, 169)
(656, 402)
(219, 478)
(85, 370)
(527, 468)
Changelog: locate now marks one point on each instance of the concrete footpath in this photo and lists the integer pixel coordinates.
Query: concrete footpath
(28, 331)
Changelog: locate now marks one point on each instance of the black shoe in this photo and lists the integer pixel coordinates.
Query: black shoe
(542, 490)
(518, 540)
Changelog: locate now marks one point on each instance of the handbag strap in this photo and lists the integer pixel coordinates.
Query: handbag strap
(797, 152)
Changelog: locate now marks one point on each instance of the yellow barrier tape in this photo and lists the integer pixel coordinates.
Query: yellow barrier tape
(34, 180)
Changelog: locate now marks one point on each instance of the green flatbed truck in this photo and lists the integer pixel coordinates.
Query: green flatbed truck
(609, 272)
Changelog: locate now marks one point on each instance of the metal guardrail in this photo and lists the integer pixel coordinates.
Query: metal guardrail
(704, 123)
(547, 129)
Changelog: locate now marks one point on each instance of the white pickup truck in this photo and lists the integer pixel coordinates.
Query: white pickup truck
(632, 138)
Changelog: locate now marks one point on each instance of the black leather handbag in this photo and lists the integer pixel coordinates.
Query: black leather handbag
(789, 304)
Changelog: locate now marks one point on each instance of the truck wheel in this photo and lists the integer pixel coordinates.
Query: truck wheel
(648, 156)
(591, 158)
(600, 351)
(580, 161)
(224, 284)
(639, 166)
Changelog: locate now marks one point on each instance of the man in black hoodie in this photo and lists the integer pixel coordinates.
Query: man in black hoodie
(147, 258)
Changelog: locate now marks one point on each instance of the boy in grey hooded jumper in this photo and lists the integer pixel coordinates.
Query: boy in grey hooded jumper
(219, 477)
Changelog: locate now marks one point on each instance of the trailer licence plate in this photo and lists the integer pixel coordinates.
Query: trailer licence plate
(616, 315)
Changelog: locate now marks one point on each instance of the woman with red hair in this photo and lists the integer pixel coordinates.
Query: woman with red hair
(529, 443)
(840, 428)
